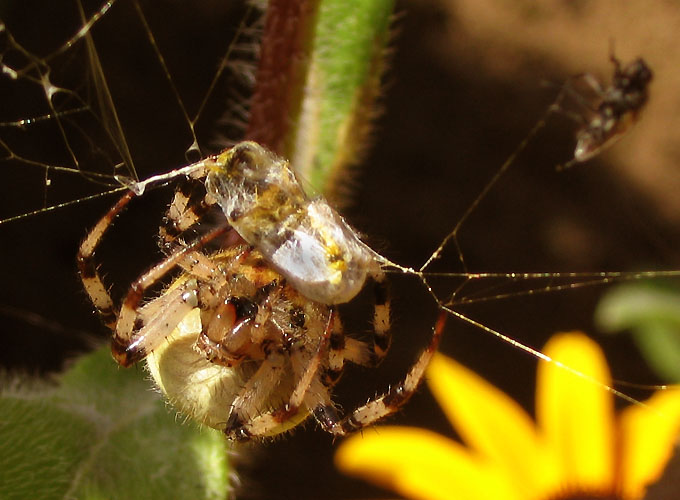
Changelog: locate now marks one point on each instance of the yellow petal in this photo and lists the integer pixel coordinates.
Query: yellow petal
(649, 437)
(493, 425)
(576, 413)
(421, 464)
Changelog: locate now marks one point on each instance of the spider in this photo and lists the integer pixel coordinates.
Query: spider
(619, 108)
(248, 338)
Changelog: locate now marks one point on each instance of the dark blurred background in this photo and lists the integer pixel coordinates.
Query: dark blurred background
(467, 81)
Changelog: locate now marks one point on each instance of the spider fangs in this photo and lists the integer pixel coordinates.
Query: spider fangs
(247, 339)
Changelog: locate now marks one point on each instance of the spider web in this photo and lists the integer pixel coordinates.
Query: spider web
(88, 107)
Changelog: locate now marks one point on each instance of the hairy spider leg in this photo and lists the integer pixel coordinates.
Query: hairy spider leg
(127, 346)
(189, 205)
(256, 393)
(343, 348)
(388, 403)
(306, 370)
(130, 342)
(312, 391)
(382, 336)
(326, 413)
(87, 267)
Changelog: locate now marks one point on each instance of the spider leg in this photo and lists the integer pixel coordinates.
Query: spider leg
(382, 337)
(188, 206)
(92, 282)
(124, 345)
(271, 422)
(344, 348)
(338, 352)
(190, 203)
(389, 402)
(256, 392)
(159, 318)
(131, 343)
(181, 215)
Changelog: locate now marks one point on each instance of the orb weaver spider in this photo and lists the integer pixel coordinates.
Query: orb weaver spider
(248, 338)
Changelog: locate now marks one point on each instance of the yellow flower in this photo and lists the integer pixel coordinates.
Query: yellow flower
(577, 448)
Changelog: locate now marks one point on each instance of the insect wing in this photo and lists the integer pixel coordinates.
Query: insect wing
(323, 258)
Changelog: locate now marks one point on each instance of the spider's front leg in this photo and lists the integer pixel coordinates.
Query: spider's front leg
(87, 267)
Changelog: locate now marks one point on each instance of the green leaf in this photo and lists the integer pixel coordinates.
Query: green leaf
(347, 63)
(102, 432)
(652, 315)
(659, 343)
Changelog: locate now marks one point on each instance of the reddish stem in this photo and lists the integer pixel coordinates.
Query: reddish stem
(285, 47)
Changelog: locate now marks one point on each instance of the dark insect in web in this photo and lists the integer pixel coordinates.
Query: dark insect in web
(618, 109)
